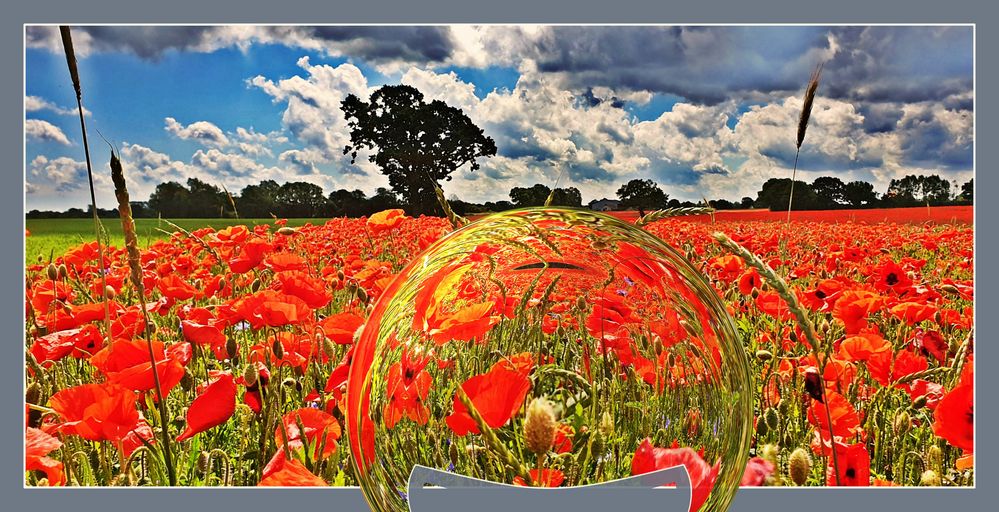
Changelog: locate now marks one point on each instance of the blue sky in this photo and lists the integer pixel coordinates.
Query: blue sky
(705, 111)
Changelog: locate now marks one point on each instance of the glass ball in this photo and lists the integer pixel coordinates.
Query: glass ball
(549, 346)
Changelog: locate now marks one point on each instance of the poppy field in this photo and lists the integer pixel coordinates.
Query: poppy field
(232, 369)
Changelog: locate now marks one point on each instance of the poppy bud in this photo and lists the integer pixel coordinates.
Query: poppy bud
(793, 336)
(919, 402)
(204, 462)
(291, 382)
(824, 326)
(286, 231)
(250, 375)
(255, 285)
(813, 384)
(52, 272)
(244, 415)
(539, 426)
(762, 429)
(277, 348)
(63, 271)
(33, 394)
(755, 293)
(581, 303)
(902, 423)
(109, 292)
(934, 457)
(764, 355)
(597, 444)
(771, 417)
(329, 348)
(799, 465)
(453, 454)
(186, 381)
(231, 348)
(362, 295)
(929, 478)
(770, 452)
(43, 482)
(949, 288)
(339, 275)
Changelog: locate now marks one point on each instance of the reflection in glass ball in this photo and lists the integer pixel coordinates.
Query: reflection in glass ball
(549, 347)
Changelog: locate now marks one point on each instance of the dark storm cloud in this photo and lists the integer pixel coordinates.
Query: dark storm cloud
(374, 44)
(712, 64)
(414, 44)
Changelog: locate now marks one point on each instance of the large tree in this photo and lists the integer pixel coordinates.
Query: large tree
(912, 190)
(170, 199)
(860, 193)
(776, 191)
(830, 191)
(537, 195)
(968, 190)
(258, 201)
(415, 143)
(300, 199)
(642, 194)
(205, 200)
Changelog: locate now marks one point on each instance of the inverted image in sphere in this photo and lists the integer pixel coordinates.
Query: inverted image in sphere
(549, 347)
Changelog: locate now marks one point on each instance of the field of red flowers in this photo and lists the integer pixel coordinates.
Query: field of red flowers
(232, 369)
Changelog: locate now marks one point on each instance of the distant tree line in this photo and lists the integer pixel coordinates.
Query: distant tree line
(829, 193)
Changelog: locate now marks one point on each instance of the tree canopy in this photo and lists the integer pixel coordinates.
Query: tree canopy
(415, 143)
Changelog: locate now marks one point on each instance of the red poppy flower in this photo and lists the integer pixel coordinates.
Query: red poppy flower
(126, 362)
(757, 471)
(282, 472)
(892, 278)
(954, 417)
(321, 431)
(853, 307)
(98, 412)
(285, 261)
(749, 281)
(546, 478)
(251, 254)
(311, 290)
(81, 343)
(702, 476)
(408, 385)
(497, 395)
(37, 446)
(913, 312)
(854, 465)
(172, 286)
(385, 220)
(341, 327)
(563, 438)
(886, 367)
(212, 408)
(862, 346)
(845, 421)
(466, 322)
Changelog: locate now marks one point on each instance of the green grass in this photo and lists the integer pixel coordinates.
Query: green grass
(52, 237)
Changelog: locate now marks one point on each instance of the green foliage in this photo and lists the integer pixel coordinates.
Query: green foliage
(642, 194)
(415, 143)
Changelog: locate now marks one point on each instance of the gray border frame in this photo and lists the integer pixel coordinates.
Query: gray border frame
(506, 11)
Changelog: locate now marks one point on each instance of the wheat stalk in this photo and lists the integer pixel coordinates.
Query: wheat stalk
(651, 217)
(796, 309)
(806, 114)
(74, 74)
(135, 268)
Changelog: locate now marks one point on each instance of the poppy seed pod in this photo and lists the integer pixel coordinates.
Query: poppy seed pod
(63, 272)
(539, 426)
(799, 465)
(250, 375)
(771, 417)
(902, 423)
(52, 272)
